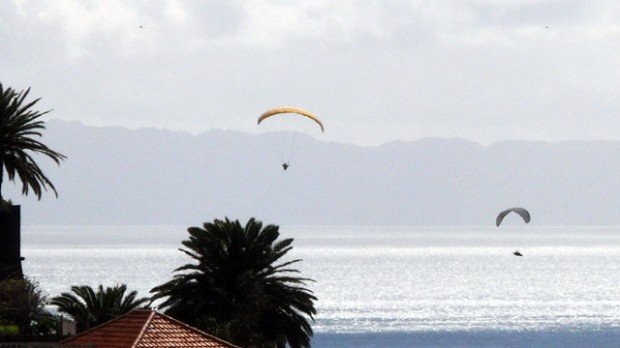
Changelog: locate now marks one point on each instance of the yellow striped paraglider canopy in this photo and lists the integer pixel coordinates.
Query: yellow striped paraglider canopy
(290, 110)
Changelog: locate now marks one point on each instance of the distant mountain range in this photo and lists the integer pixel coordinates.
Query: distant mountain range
(134, 177)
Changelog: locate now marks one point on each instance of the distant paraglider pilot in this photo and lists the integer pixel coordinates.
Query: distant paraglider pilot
(285, 166)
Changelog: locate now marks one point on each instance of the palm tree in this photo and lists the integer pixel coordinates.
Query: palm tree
(236, 291)
(90, 308)
(19, 125)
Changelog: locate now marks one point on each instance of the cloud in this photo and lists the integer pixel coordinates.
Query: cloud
(485, 70)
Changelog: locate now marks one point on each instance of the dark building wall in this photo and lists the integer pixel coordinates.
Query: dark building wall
(10, 243)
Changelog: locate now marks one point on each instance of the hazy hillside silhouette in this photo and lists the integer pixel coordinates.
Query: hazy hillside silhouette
(120, 176)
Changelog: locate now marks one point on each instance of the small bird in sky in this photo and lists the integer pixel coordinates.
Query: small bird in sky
(140, 27)
(517, 253)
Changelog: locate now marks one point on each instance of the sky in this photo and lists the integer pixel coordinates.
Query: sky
(374, 71)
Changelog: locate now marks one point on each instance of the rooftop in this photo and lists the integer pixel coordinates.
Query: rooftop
(144, 328)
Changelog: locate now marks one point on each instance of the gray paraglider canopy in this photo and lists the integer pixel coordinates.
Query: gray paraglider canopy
(522, 212)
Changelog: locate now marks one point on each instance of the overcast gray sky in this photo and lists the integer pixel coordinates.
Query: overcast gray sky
(375, 71)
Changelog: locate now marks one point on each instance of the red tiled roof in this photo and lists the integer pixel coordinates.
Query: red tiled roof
(142, 328)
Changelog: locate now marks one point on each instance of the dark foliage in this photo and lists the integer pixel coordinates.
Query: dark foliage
(19, 125)
(236, 290)
(90, 308)
(22, 305)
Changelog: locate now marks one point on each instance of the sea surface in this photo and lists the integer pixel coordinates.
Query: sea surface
(389, 286)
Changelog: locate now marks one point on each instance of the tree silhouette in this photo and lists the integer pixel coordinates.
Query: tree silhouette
(90, 308)
(19, 125)
(236, 290)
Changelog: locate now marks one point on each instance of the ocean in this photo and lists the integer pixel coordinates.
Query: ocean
(389, 286)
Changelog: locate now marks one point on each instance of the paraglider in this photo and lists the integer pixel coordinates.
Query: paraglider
(525, 215)
(522, 212)
(290, 110)
(287, 145)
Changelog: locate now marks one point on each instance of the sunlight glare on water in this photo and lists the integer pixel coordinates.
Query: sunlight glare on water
(381, 279)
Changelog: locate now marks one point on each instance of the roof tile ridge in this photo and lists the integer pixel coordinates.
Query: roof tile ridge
(144, 328)
(166, 317)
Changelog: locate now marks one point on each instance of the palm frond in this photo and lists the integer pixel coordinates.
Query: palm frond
(19, 126)
(90, 307)
(236, 288)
